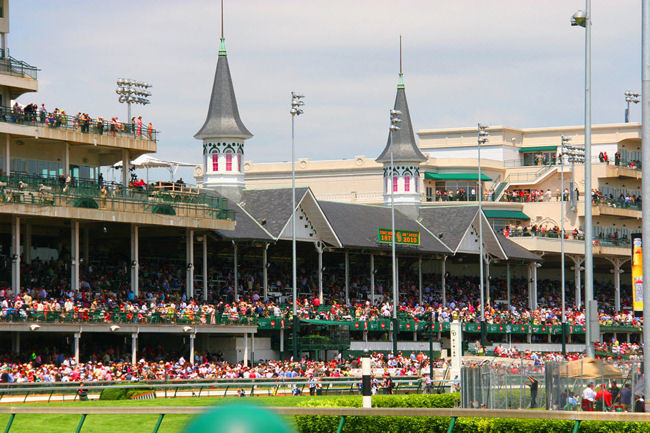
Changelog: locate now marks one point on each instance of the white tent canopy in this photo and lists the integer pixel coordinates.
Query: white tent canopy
(147, 161)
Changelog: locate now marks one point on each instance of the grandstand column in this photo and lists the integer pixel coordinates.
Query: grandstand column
(487, 278)
(235, 277)
(535, 266)
(15, 254)
(126, 163)
(265, 271)
(7, 167)
(372, 278)
(27, 248)
(246, 349)
(192, 337)
(134, 348)
(135, 260)
(189, 262)
(617, 263)
(347, 277)
(253, 349)
(420, 277)
(66, 158)
(443, 281)
(74, 255)
(530, 285)
(205, 267)
(77, 337)
(319, 249)
(577, 268)
(508, 282)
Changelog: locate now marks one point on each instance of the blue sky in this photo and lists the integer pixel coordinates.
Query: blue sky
(502, 62)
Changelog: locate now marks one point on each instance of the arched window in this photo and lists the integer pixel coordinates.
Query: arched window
(215, 162)
(407, 183)
(228, 161)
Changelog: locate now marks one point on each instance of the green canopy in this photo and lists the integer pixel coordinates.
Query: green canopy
(538, 149)
(506, 214)
(455, 176)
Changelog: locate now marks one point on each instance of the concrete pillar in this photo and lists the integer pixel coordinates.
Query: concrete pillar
(319, 250)
(252, 349)
(205, 268)
(235, 276)
(487, 279)
(74, 255)
(27, 244)
(372, 278)
(508, 282)
(7, 158)
(77, 337)
(189, 263)
(246, 349)
(192, 337)
(66, 158)
(420, 277)
(617, 264)
(134, 348)
(577, 269)
(281, 341)
(15, 254)
(535, 265)
(135, 260)
(444, 280)
(265, 271)
(530, 285)
(126, 163)
(347, 277)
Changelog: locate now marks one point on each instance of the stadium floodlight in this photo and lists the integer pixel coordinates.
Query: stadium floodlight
(395, 120)
(296, 103)
(630, 97)
(481, 138)
(132, 92)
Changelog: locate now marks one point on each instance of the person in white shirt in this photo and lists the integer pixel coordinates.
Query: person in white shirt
(588, 397)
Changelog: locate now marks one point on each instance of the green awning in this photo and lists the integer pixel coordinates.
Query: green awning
(538, 149)
(506, 214)
(455, 176)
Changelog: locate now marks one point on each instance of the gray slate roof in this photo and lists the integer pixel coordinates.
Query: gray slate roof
(451, 222)
(405, 149)
(245, 229)
(356, 226)
(223, 115)
(271, 208)
(516, 251)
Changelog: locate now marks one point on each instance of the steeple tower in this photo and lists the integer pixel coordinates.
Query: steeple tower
(223, 133)
(404, 181)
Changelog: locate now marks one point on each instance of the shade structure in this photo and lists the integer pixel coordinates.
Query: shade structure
(538, 149)
(148, 161)
(456, 176)
(505, 214)
(590, 368)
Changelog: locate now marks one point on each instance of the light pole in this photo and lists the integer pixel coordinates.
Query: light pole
(583, 19)
(482, 138)
(565, 141)
(630, 97)
(296, 103)
(132, 92)
(395, 120)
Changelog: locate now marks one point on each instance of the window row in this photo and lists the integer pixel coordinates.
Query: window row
(409, 183)
(228, 162)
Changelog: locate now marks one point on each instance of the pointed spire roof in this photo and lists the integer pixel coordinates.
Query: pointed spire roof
(223, 115)
(403, 144)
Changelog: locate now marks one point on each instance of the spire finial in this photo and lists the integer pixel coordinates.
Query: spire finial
(222, 45)
(400, 80)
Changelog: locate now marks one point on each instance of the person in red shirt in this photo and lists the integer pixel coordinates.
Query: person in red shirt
(603, 398)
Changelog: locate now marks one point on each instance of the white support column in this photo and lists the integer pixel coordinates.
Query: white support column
(74, 255)
(189, 262)
(508, 282)
(192, 337)
(617, 270)
(134, 348)
(205, 267)
(443, 281)
(27, 244)
(15, 254)
(372, 278)
(535, 266)
(577, 269)
(66, 159)
(530, 285)
(252, 349)
(281, 341)
(397, 277)
(7, 158)
(420, 277)
(126, 164)
(487, 280)
(319, 250)
(265, 271)
(77, 337)
(347, 278)
(135, 260)
(235, 276)
(246, 349)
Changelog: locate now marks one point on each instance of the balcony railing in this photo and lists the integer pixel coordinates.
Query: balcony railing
(50, 191)
(87, 125)
(616, 203)
(11, 66)
(603, 239)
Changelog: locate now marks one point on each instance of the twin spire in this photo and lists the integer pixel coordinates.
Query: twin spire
(223, 119)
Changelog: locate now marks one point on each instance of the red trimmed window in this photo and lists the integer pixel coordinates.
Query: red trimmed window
(407, 183)
(228, 161)
(215, 162)
(394, 183)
